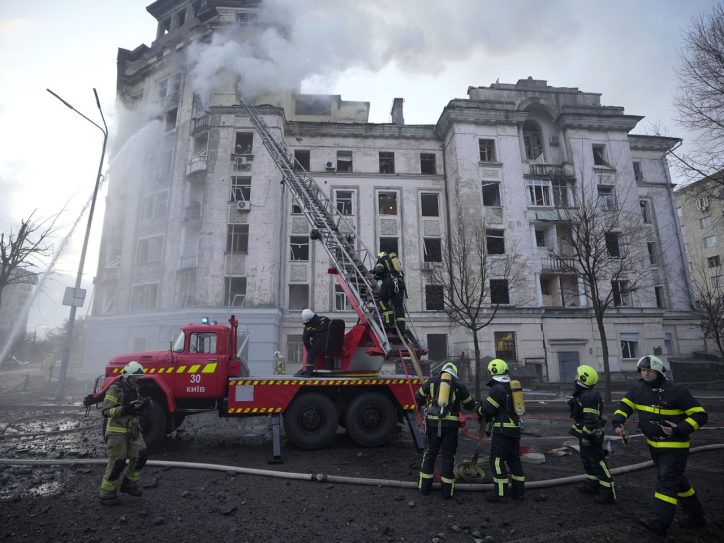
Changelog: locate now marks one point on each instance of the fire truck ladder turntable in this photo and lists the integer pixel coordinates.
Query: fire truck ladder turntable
(351, 259)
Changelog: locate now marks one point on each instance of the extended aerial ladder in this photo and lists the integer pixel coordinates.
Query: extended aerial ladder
(350, 258)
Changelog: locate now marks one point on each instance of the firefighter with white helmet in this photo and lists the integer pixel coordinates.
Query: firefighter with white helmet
(443, 395)
(314, 337)
(122, 406)
(667, 415)
(586, 410)
(498, 408)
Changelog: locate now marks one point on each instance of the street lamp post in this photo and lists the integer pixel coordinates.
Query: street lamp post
(74, 303)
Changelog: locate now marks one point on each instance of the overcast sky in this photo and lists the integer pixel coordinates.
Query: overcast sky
(424, 51)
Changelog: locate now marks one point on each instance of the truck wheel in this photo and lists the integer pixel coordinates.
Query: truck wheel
(311, 421)
(153, 423)
(371, 419)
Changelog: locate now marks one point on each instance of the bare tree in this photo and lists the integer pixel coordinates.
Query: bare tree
(700, 97)
(21, 250)
(476, 276)
(709, 300)
(603, 245)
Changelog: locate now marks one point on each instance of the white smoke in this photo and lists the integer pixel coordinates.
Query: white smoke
(298, 40)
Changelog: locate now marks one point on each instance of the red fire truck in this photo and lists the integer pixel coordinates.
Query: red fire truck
(201, 371)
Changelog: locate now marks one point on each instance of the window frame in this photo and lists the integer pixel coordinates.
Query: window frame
(430, 160)
(606, 197)
(352, 201)
(436, 196)
(300, 242)
(229, 300)
(495, 241)
(486, 148)
(546, 192)
(497, 290)
(387, 193)
(432, 297)
(430, 251)
(386, 162)
(486, 185)
(237, 239)
(508, 339)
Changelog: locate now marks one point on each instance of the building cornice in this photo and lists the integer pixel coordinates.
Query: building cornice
(598, 120)
(639, 142)
(486, 112)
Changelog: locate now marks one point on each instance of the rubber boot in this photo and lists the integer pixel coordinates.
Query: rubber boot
(425, 485)
(110, 500)
(652, 523)
(589, 486)
(693, 517)
(131, 488)
(447, 490)
(605, 497)
(518, 490)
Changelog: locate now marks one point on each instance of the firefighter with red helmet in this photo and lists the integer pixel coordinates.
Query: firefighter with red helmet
(586, 410)
(122, 406)
(668, 414)
(498, 409)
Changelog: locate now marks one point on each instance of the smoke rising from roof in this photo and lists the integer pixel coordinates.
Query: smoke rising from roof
(296, 40)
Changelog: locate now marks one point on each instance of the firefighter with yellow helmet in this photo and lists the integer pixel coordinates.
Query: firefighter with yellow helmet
(122, 406)
(388, 270)
(586, 410)
(443, 397)
(499, 409)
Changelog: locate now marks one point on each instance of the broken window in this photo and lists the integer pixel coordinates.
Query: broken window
(144, 297)
(606, 200)
(539, 192)
(621, 293)
(613, 240)
(561, 193)
(387, 162)
(660, 298)
(430, 204)
(653, 257)
(389, 245)
(341, 303)
(599, 155)
(170, 119)
(427, 164)
(713, 261)
(434, 298)
(180, 18)
(163, 27)
(149, 250)
(299, 248)
(629, 345)
(709, 242)
(169, 87)
(296, 208)
(234, 291)
(491, 194)
(154, 206)
(244, 143)
(487, 150)
(540, 238)
(237, 239)
(344, 161)
(432, 250)
(505, 346)
(638, 173)
(645, 212)
(532, 140)
(499, 291)
(495, 241)
(387, 203)
(301, 160)
(345, 202)
(298, 296)
(240, 189)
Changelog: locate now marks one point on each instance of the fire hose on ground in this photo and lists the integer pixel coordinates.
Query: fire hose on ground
(324, 478)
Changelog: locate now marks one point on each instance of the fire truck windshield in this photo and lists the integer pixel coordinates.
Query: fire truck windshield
(178, 344)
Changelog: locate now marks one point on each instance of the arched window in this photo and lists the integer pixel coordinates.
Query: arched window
(532, 139)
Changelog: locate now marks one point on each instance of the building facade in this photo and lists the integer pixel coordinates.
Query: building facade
(199, 224)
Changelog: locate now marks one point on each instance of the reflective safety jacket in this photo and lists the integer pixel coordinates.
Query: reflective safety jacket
(498, 408)
(586, 412)
(120, 394)
(459, 396)
(662, 401)
(315, 331)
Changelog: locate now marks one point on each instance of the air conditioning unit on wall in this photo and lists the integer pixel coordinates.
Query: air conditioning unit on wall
(243, 205)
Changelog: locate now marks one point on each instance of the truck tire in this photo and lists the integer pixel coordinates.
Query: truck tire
(371, 419)
(154, 423)
(311, 421)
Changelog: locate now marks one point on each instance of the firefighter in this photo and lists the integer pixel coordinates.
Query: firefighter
(443, 396)
(388, 270)
(497, 409)
(122, 406)
(314, 338)
(667, 414)
(586, 409)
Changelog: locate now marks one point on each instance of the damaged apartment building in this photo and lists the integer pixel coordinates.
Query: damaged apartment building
(206, 229)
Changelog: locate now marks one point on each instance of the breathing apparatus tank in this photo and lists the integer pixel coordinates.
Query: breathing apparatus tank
(517, 394)
(443, 398)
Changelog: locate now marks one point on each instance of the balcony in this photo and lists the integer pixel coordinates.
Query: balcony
(548, 170)
(197, 163)
(556, 265)
(186, 263)
(200, 124)
(241, 162)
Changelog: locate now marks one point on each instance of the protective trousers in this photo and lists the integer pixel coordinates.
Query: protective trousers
(391, 304)
(448, 442)
(505, 451)
(118, 448)
(318, 345)
(672, 486)
(597, 474)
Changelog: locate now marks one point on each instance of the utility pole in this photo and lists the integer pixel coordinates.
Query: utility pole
(76, 297)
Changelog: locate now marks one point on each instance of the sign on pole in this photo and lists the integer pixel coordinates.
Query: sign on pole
(74, 297)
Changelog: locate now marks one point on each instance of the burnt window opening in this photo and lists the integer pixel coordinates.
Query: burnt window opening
(170, 119)
(312, 105)
(244, 143)
(296, 208)
(180, 18)
(240, 189)
(344, 200)
(613, 244)
(599, 155)
(389, 245)
(499, 291)
(491, 194)
(433, 250)
(505, 346)
(540, 238)
(487, 150)
(434, 298)
(387, 162)
(164, 27)
(532, 140)
(495, 241)
(234, 291)
(299, 248)
(427, 164)
(237, 239)
(298, 296)
(387, 203)
(429, 204)
(638, 173)
(344, 161)
(301, 159)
